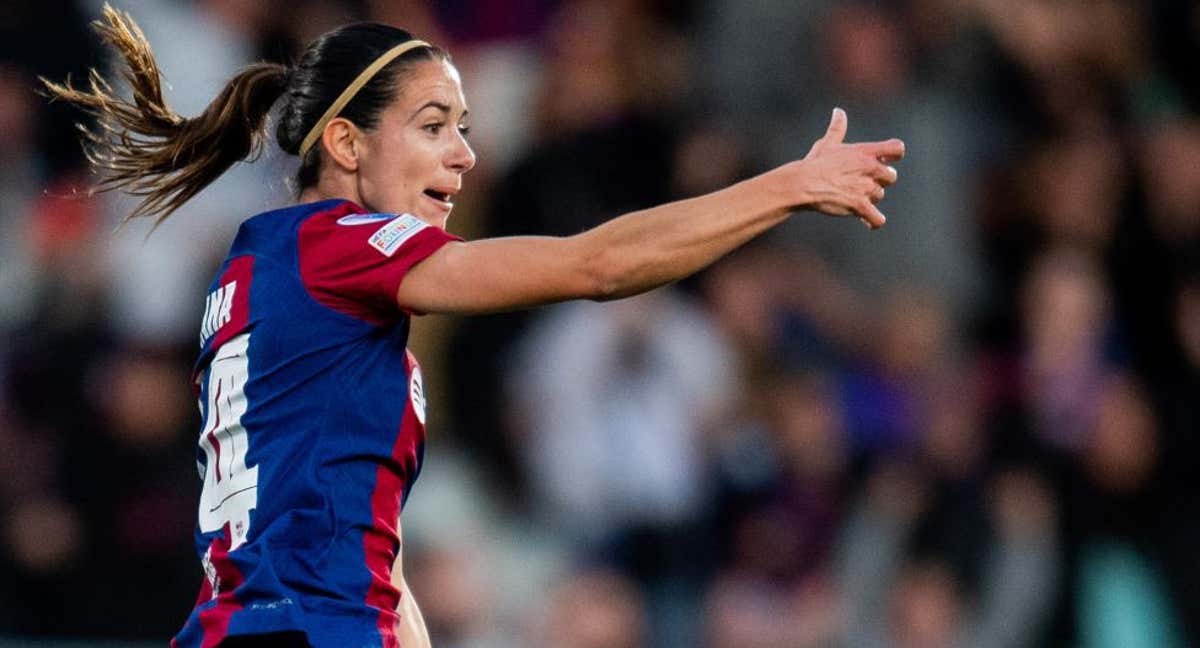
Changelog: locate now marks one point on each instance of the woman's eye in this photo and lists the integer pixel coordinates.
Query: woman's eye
(464, 130)
(433, 129)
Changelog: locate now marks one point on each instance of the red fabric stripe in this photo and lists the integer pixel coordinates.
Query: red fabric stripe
(212, 437)
(382, 542)
(241, 270)
(215, 620)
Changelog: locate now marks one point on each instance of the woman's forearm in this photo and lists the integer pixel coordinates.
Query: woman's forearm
(644, 249)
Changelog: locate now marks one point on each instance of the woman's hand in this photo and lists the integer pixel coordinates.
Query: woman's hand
(842, 179)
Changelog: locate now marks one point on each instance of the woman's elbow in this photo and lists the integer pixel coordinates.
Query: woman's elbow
(602, 276)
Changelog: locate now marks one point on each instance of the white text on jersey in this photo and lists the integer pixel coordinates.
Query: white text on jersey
(217, 311)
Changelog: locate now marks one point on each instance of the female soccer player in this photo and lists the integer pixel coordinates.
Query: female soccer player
(313, 411)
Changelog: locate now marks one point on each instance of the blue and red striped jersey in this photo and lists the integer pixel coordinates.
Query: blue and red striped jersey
(313, 426)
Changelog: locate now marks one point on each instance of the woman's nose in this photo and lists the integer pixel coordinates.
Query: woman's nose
(462, 158)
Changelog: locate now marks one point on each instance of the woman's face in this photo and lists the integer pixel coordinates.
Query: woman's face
(414, 160)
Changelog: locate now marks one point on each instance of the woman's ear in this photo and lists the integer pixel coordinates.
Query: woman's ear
(340, 143)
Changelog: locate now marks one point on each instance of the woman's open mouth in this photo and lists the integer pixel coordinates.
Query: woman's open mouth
(441, 197)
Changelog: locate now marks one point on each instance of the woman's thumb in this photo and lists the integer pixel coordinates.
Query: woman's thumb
(836, 132)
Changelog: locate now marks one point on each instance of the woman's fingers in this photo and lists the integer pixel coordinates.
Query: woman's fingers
(860, 172)
(866, 188)
(886, 151)
(884, 174)
(870, 214)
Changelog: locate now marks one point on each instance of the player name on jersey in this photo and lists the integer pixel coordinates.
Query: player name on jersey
(218, 310)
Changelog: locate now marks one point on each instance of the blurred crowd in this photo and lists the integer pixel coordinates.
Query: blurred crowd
(975, 427)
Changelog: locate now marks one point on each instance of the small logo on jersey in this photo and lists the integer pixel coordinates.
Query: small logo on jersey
(210, 572)
(390, 237)
(416, 393)
(362, 219)
(218, 310)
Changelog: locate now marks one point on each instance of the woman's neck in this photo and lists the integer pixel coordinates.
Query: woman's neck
(327, 187)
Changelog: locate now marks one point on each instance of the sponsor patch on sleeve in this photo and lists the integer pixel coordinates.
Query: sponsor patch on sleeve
(390, 237)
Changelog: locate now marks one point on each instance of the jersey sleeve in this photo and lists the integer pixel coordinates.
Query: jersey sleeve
(354, 263)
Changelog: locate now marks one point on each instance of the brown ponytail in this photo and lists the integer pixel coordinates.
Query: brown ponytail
(144, 147)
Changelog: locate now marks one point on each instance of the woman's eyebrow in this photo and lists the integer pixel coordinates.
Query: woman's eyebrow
(443, 107)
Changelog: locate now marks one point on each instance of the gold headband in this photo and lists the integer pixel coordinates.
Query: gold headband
(352, 89)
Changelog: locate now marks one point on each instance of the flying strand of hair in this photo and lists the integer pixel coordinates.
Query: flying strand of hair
(143, 147)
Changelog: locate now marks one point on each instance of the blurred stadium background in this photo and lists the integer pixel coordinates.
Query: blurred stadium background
(976, 427)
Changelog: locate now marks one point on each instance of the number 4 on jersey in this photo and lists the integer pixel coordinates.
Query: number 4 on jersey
(230, 487)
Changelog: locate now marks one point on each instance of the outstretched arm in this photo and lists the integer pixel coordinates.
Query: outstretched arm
(645, 249)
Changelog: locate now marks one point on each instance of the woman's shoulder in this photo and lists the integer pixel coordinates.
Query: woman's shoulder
(267, 230)
(302, 211)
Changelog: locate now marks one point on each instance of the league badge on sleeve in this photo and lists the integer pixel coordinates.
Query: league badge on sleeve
(390, 237)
